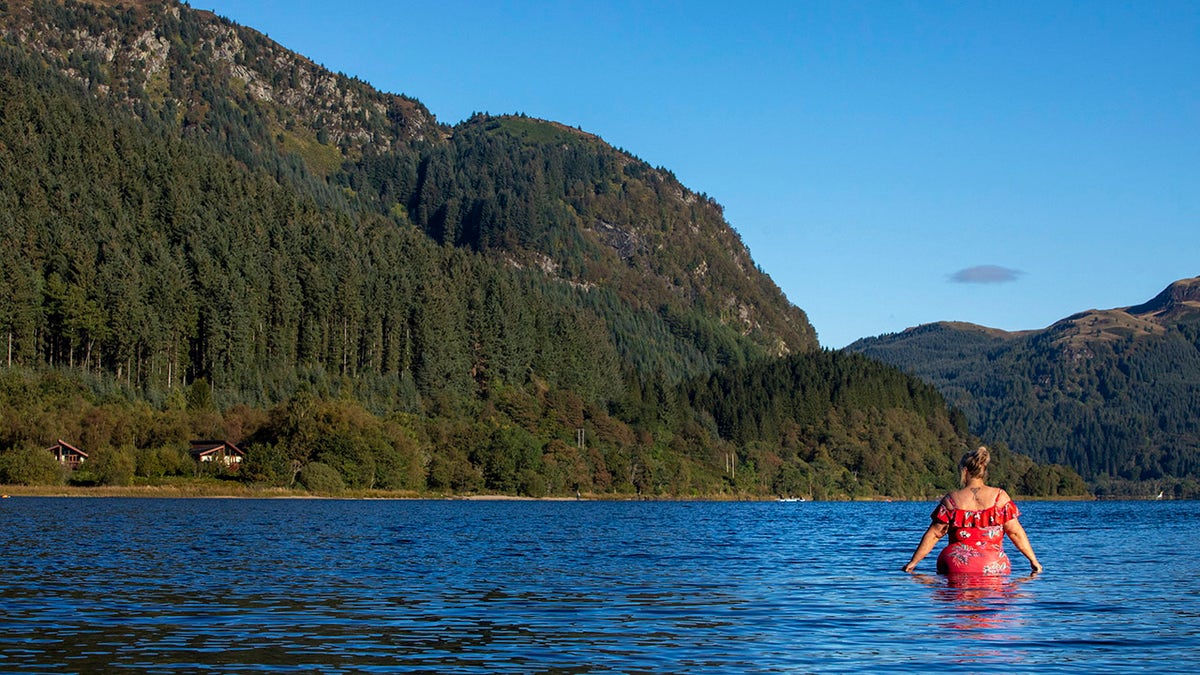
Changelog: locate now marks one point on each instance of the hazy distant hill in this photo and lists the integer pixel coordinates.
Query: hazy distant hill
(1112, 393)
(206, 235)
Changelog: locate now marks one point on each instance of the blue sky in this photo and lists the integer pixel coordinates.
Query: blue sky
(887, 163)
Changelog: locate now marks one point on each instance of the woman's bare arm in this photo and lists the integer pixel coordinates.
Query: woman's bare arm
(1016, 534)
(928, 541)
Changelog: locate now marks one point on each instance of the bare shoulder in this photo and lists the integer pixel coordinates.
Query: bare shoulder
(1002, 497)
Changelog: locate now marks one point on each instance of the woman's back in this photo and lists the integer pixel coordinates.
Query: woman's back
(975, 517)
(977, 498)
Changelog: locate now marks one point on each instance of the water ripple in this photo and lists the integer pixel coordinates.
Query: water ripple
(456, 587)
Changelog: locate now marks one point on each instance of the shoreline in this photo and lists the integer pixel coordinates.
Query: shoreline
(238, 491)
(247, 492)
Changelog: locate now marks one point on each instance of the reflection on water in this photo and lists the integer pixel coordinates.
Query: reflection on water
(984, 613)
(977, 604)
(568, 587)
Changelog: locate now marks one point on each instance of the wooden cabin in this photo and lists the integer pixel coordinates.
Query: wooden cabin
(223, 452)
(67, 454)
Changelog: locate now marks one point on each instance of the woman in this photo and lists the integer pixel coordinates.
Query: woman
(977, 517)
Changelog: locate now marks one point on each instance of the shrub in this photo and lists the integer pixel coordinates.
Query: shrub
(114, 466)
(318, 477)
(268, 463)
(28, 465)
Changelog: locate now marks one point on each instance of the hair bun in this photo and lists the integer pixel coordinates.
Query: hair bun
(975, 462)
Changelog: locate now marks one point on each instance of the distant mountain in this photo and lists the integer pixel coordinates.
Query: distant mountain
(1113, 393)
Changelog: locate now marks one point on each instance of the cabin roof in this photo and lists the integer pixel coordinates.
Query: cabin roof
(201, 448)
(68, 447)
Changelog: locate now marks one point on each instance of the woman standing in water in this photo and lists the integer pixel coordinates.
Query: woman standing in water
(977, 517)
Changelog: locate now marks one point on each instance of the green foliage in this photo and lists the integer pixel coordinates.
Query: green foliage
(269, 464)
(113, 466)
(321, 479)
(509, 461)
(1116, 406)
(164, 461)
(27, 464)
(1022, 475)
(199, 396)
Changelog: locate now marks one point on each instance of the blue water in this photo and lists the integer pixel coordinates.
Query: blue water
(230, 585)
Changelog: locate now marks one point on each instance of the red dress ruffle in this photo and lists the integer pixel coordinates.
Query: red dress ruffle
(976, 538)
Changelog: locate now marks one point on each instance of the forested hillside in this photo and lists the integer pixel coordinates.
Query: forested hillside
(208, 236)
(1112, 393)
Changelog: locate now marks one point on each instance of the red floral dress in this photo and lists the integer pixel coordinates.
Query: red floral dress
(976, 538)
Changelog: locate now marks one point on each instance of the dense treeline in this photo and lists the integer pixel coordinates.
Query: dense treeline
(1119, 407)
(657, 440)
(878, 430)
(185, 265)
(207, 237)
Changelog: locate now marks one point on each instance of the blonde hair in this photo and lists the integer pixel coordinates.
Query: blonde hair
(974, 464)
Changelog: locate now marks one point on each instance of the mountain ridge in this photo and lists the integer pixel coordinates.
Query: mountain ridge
(1112, 393)
(1180, 299)
(342, 128)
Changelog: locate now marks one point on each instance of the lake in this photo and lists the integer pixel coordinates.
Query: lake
(243, 585)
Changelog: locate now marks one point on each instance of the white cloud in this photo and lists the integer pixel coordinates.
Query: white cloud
(985, 274)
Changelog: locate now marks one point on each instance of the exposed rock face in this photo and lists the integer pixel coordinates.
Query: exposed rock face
(346, 112)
